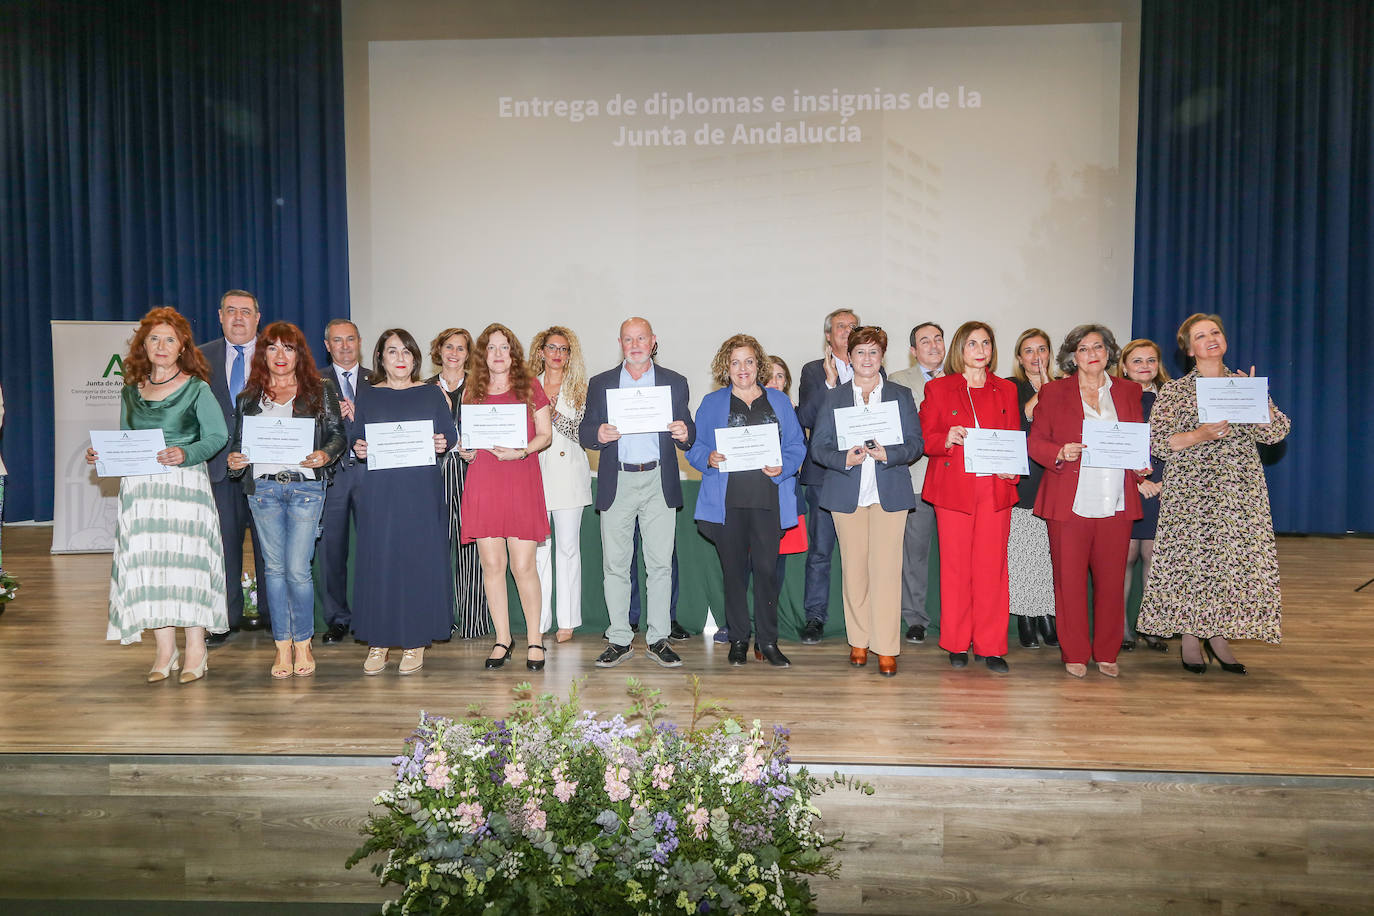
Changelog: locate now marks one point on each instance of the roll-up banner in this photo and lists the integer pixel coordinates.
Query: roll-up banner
(88, 375)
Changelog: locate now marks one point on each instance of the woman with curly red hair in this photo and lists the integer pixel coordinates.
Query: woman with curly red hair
(168, 568)
(503, 504)
(287, 500)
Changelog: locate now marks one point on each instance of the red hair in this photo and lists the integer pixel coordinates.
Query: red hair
(138, 368)
(309, 388)
(479, 376)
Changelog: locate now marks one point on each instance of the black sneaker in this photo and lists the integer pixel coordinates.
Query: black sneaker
(916, 633)
(677, 633)
(660, 652)
(613, 655)
(812, 632)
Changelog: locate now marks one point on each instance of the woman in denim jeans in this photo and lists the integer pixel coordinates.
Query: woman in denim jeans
(287, 499)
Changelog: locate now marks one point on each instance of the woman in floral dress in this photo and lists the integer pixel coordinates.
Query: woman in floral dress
(1216, 571)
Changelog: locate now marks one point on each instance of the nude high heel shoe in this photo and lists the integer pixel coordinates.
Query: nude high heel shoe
(158, 675)
(194, 674)
(281, 665)
(305, 660)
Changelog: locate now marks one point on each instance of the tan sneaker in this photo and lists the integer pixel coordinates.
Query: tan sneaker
(376, 660)
(412, 660)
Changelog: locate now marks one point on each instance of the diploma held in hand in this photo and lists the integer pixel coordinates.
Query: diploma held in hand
(749, 448)
(128, 452)
(401, 444)
(278, 440)
(995, 451)
(490, 425)
(856, 425)
(1237, 399)
(639, 410)
(1109, 444)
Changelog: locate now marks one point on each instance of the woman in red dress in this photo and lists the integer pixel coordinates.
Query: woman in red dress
(503, 499)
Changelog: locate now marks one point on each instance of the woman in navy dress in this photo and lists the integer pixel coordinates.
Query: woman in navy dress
(1141, 363)
(403, 589)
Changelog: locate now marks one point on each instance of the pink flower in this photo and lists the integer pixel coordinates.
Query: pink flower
(516, 775)
(563, 789)
(698, 818)
(617, 789)
(470, 815)
(663, 776)
(535, 818)
(752, 768)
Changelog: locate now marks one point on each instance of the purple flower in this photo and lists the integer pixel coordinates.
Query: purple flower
(664, 823)
(664, 849)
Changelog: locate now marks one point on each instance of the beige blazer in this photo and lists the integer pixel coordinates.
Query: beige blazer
(567, 476)
(914, 379)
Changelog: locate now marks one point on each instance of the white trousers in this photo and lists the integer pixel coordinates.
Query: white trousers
(566, 532)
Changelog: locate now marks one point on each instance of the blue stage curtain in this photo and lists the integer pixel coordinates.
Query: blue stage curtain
(1255, 201)
(159, 152)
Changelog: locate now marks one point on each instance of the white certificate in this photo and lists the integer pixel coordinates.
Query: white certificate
(749, 448)
(278, 440)
(1237, 399)
(995, 451)
(127, 452)
(399, 444)
(856, 425)
(639, 410)
(1109, 444)
(490, 425)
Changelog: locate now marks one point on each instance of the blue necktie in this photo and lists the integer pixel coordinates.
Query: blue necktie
(348, 391)
(236, 375)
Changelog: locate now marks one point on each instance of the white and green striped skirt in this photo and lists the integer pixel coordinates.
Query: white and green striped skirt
(168, 557)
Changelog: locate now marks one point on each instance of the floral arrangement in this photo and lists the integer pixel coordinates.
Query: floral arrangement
(554, 810)
(250, 595)
(9, 588)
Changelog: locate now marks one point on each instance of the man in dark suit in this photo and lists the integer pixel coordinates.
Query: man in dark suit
(818, 377)
(341, 499)
(231, 358)
(637, 480)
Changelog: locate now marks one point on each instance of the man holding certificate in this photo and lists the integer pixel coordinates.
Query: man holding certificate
(288, 432)
(749, 448)
(1090, 436)
(637, 478)
(866, 436)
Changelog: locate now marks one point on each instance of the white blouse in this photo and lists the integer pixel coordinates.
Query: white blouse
(1101, 491)
(868, 471)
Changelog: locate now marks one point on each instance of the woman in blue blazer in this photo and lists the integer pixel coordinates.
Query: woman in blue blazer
(867, 489)
(744, 512)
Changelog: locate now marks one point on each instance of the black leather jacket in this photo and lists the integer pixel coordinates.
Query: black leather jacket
(329, 431)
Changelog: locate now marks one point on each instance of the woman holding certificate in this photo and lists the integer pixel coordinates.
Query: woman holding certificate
(503, 504)
(1143, 363)
(449, 351)
(286, 497)
(1087, 500)
(402, 577)
(866, 435)
(1216, 572)
(972, 510)
(168, 568)
(749, 447)
(556, 362)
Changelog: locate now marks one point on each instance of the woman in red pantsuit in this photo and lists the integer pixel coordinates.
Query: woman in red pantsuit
(972, 511)
(1089, 511)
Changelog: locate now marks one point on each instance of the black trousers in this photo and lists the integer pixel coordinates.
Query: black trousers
(748, 542)
(234, 517)
(340, 507)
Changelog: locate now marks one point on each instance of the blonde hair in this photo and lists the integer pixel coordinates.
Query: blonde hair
(1161, 374)
(1018, 371)
(574, 375)
(720, 366)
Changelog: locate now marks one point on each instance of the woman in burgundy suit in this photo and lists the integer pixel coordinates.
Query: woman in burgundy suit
(972, 511)
(1089, 511)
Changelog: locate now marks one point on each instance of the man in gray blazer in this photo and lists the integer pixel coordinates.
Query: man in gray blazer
(928, 349)
(231, 358)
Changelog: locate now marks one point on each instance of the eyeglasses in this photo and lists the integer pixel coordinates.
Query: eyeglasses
(550, 348)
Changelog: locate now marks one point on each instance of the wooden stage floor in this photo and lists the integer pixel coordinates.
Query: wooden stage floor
(1304, 709)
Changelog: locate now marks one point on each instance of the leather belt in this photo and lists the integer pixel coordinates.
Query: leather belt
(285, 477)
(649, 466)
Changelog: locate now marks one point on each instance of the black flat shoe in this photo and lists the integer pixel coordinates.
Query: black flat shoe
(958, 659)
(772, 655)
(739, 653)
(997, 664)
(1025, 632)
(1155, 643)
(500, 661)
(1128, 645)
(1228, 667)
(811, 633)
(533, 664)
(677, 633)
(1048, 635)
(335, 634)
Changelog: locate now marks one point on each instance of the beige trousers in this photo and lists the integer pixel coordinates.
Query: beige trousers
(871, 560)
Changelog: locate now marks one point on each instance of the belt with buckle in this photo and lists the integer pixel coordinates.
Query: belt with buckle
(285, 477)
(648, 466)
